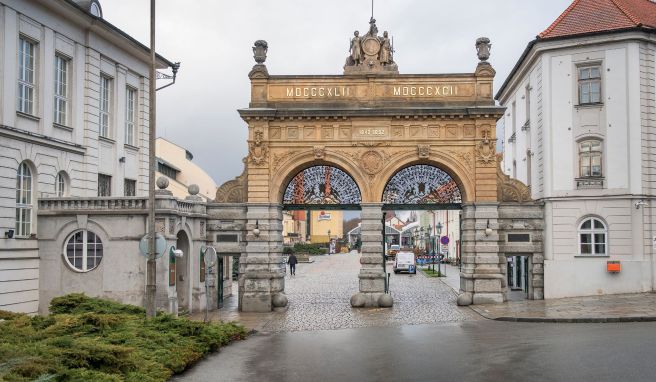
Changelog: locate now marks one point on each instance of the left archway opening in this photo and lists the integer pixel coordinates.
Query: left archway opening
(322, 187)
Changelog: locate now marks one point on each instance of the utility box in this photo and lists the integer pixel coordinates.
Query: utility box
(613, 266)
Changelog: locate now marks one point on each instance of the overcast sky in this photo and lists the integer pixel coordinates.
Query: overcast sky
(213, 39)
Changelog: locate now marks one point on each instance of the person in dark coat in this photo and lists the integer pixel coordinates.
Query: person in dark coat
(292, 264)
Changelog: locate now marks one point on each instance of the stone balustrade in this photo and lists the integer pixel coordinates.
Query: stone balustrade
(116, 205)
(58, 205)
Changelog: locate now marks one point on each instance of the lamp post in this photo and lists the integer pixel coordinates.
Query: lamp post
(437, 245)
(328, 242)
(429, 245)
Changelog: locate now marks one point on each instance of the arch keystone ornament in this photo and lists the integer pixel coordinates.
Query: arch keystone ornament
(372, 162)
(345, 141)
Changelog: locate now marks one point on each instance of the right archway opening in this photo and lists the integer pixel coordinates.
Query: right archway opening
(422, 206)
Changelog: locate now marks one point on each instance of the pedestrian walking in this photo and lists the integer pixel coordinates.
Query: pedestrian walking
(292, 261)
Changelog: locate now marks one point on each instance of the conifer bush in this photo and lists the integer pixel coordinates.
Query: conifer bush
(92, 339)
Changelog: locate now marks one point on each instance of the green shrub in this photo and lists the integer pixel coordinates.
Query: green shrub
(287, 250)
(310, 249)
(76, 303)
(91, 339)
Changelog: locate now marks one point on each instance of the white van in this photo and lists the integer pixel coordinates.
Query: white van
(405, 262)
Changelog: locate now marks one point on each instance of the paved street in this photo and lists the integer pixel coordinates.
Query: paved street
(320, 292)
(462, 351)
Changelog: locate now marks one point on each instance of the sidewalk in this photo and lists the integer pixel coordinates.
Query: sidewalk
(607, 308)
(229, 312)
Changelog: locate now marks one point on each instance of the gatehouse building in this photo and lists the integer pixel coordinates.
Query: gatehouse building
(579, 130)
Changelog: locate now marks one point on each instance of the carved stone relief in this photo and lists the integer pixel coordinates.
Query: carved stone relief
(160, 226)
(319, 152)
(423, 151)
(511, 190)
(233, 191)
(372, 162)
(258, 150)
(486, 150)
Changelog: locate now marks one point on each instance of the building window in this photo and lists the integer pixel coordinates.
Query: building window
(589, 85)
(26, 76)
(24, 200)
(130, 115)
(528, 108)
(61, 90)
(61, 182)
(592, 237)
(104, 185)
(590, 158)
(130, 187)
(105, 91)
(167, 170)
(84, 251)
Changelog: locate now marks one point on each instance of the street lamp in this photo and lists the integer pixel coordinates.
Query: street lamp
(328, 242)
(437, 245)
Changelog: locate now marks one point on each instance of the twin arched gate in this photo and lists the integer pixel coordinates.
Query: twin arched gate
(416, 187)
(377, 127)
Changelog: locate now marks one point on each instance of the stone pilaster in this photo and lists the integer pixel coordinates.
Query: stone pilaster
(482, 275)
(262, 281)
(372, 275)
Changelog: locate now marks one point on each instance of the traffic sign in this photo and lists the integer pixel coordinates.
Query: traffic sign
(160, 245)
(444, 240)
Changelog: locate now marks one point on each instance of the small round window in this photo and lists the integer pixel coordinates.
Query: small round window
(83, 251)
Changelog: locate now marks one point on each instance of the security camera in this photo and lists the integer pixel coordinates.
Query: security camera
(9, 233)
(178, 253)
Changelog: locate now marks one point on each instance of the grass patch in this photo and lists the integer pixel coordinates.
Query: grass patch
(92, 339)
(430, 273)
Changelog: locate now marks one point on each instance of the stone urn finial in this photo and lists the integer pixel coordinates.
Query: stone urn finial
(483, 48)
(193, 189)
(162, 182)
(260, 51)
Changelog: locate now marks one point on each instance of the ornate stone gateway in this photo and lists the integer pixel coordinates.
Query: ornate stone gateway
(371, 138)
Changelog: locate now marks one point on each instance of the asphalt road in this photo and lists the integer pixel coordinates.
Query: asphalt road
(462, 351)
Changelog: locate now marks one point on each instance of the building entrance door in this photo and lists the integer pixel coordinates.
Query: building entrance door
(517, 277)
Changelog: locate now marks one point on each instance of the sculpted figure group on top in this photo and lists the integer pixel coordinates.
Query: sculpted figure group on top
(370, 52)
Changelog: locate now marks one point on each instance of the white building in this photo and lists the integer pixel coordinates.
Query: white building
(175, 162)
(580, 130)
(73, 123)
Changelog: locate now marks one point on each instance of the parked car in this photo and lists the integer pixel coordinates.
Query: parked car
(394, 249)
(405, 262)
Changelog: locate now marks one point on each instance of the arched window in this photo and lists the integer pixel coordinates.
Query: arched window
(593, 237)
(23, 200)
(84, 251)
(590, 158)
(61, 184)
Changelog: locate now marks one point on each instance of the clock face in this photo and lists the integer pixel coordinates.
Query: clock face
(371, 46)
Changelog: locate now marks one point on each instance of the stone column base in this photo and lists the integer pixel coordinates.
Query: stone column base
(372, 300)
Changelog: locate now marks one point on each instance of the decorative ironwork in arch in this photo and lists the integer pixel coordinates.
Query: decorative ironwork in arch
(422, 184)
(322, 185)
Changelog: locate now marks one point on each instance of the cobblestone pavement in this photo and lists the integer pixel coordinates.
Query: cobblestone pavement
(320, 292)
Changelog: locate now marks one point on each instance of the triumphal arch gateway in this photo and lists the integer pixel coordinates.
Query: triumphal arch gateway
(375, 139)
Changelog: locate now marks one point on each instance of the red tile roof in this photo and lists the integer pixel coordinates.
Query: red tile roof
(593, 16)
